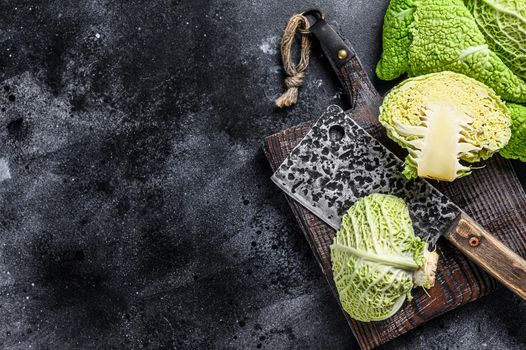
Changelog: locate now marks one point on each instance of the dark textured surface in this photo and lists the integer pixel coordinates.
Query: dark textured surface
(137, 210)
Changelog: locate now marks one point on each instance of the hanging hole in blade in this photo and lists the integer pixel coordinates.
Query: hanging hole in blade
(336, 133)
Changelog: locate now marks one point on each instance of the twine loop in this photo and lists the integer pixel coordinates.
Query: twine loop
(295, 73)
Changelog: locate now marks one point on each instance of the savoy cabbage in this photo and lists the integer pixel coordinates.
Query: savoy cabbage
(442, 119)
(426, 36)
(377, 259)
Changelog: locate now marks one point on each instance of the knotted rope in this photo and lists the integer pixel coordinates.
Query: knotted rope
(295, 75)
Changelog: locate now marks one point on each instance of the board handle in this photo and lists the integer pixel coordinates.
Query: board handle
(489, 253)
(362, 96)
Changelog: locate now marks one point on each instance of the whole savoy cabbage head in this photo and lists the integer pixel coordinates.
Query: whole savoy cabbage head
(377, 259)
(426, 36)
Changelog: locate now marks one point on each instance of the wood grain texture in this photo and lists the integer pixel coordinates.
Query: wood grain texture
(492, 196)
(489, 253)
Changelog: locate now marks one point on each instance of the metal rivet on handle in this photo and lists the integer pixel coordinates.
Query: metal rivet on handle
(473, 241)
(343, 54)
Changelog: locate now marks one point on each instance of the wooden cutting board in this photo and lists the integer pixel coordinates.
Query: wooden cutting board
(493, 196)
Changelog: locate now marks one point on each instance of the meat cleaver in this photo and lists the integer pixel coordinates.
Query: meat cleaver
(338, 162)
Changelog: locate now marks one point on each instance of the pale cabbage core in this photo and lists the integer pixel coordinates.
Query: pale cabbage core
(439, 154)
(440, 144)
(443, 118)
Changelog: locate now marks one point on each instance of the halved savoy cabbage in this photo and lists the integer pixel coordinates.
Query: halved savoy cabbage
(377, 259)
(445, 120)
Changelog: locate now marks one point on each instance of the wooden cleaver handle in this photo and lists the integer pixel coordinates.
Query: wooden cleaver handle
(489, 253)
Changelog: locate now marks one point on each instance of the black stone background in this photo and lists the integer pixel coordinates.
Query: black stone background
(136, 207)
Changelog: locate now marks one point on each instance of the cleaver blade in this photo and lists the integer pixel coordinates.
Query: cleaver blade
(338, 162)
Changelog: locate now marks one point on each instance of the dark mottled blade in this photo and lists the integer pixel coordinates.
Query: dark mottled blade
(327, 175)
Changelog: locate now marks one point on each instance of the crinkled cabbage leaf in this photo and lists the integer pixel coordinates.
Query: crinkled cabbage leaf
(426, 36)
(516, 147)
(503, 23)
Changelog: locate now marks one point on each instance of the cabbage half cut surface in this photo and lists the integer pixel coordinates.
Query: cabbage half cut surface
(445, 120)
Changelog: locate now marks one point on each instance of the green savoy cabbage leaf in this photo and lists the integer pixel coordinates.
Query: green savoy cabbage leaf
(516, 147)
(442, 119)
(503, 23)
(426, 36)
(377, 259)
